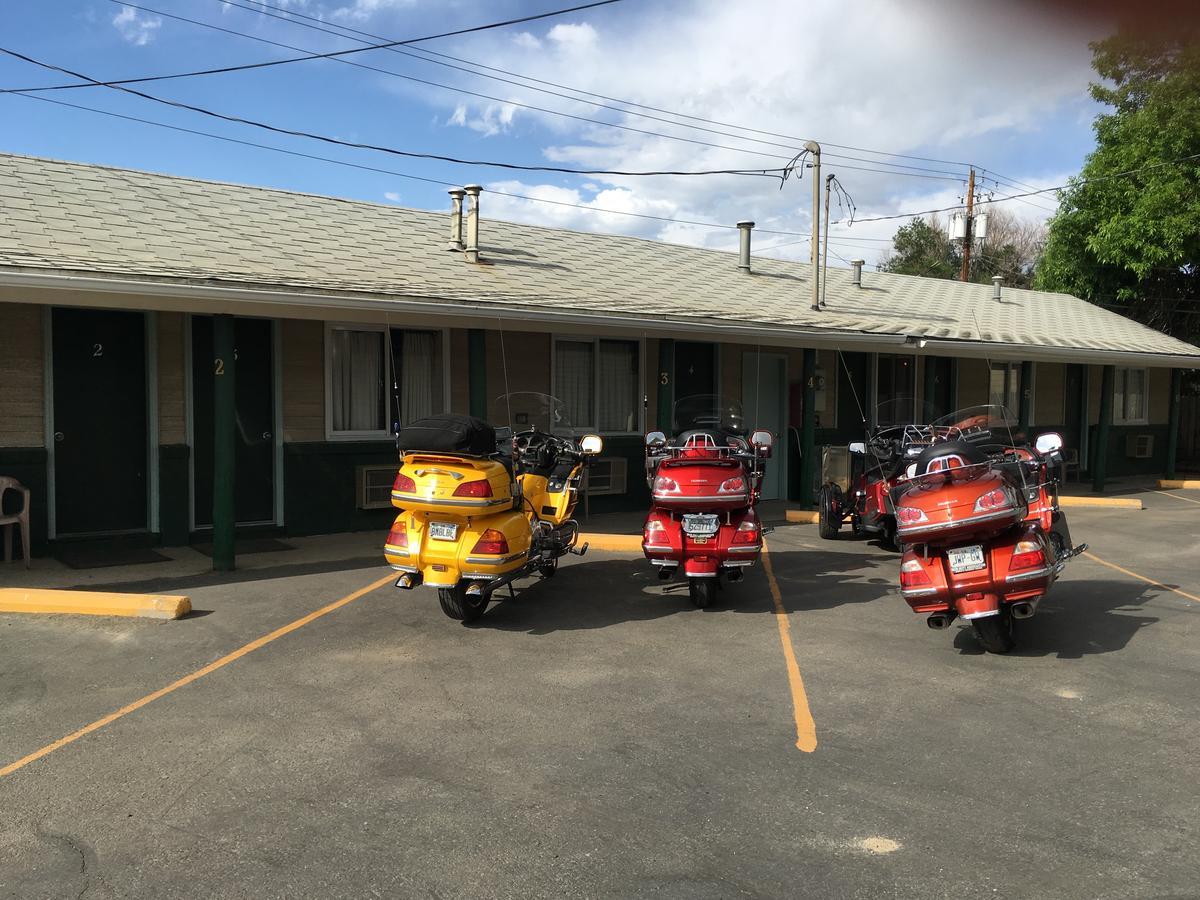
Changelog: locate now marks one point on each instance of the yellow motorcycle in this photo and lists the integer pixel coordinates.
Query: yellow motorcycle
(480, 508)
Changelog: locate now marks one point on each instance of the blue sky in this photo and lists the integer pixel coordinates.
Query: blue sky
(996, 86)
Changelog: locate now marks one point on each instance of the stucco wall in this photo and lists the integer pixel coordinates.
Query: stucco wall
(972, 382)
(460, 372)
(303, 380)
(528, 359)
(172, 397)
(22, 373)
(1049, 396)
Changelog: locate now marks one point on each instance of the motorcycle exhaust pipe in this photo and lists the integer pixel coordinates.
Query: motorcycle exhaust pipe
(735, 575)
(408, 580)
(1022, 610)
(939, 621)
(665, 573)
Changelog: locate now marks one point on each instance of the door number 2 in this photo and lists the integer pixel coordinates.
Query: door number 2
(97, 349)
(219, 364)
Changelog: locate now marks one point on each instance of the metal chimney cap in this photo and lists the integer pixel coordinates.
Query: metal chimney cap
(456, 192)
(858, 262)
(473, 188)
(997, 279)
(745, 224)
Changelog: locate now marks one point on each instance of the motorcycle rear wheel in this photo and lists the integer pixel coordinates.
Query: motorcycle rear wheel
(828, 521)
(457, 605)
(995, 633)
(703, 591)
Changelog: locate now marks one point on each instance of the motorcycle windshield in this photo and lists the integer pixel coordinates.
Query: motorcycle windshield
(904, 411)
(989, 425)
(531, 411)
(708, 412)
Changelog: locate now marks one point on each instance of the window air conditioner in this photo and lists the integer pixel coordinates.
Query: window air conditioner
(374, 486)
(606, 475)
(1139, 446)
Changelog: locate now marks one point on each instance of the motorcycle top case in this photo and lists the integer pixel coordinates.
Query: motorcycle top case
(958, 511)
(698, 484)
(448, 433)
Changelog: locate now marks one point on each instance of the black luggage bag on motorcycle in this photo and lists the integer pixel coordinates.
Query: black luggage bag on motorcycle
(448, 433)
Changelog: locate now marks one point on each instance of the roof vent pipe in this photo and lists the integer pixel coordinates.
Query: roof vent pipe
(744, 245)
(456, 232)
(997, 280)
(856, 267)
(472, 248)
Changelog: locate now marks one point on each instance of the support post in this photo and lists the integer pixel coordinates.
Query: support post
(1100, 450)
(1173, 423)
(808, 449)
(477, 371)
(1025, 411)
(224, 517)
(930, 389)
(666, 383)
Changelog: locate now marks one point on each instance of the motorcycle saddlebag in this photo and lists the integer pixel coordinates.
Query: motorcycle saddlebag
(448, 433)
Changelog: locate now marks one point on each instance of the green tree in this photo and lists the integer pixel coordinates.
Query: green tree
(1127, 233)
(922, 248)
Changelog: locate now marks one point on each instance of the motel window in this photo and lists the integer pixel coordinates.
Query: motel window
(363, 362)
(1130, 396)
(599, 380)
(1005, 388)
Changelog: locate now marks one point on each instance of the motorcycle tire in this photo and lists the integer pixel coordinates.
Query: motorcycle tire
(547, 570)
(887, 537)
(995, 633)
(703, 591)
(457, 605)
(828, 521)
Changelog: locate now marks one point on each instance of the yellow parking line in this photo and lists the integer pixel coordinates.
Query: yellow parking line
(195, 676)
(806, 728)
(1157, 584)
(1177, 497)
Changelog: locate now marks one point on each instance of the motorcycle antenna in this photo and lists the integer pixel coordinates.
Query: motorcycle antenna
(504, 366)
(387, 319)
(849, 380)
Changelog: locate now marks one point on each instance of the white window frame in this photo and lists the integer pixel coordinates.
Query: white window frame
(595, 342)
(1014, 369)
(385, 330)
(1118, 415)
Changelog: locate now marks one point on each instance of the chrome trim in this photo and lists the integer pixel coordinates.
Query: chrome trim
(918, 592)
(480, 576)
(457, 476)
(657, 547)
(664, 562)
(493, 560)
(1025, 576)
(409, 569)
(738, 564)
(700, 574)
(745, 548)
(904, 531)
(433, 501)
(439, 584)
(687, 498)
(981, 615)
(396, 551)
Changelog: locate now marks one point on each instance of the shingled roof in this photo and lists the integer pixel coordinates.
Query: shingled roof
(65, 217)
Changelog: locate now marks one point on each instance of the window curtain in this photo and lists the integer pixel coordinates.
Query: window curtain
(618, 386)
(573, 380)
(416, 375)
(357, 380)
(1119, 410)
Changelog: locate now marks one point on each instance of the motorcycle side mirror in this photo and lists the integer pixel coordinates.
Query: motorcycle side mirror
(591, 444)
(1048, 442)
(655, 440)
(762, 442)
(857, 447)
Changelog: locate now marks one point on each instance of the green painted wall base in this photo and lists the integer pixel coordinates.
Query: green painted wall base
(320, 482)
(28, 466)
(173, 494)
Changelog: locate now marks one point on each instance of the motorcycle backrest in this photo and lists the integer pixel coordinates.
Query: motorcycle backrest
(1048, 442)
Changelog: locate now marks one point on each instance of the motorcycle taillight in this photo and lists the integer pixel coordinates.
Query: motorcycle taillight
(993, 499)
(481, 488)
(398, 536)
(747, 533)
(735, 485)
(910, 515)
(1027, 555)
(913, 574)
(403, 484)
(665, 485)
(491, 542)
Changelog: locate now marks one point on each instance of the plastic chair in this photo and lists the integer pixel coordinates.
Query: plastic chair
(1070, 461)
(20, 519)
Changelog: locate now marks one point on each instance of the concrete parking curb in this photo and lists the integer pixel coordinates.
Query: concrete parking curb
(1103, 502)
(614, 543)
(1166, 484)
(93, 603)
(803, 517)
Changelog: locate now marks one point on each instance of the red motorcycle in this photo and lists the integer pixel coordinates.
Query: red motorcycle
(980, 519)
(860, 494)
(704, 486)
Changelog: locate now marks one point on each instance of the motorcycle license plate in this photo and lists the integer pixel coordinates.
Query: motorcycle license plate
(701, 524)
(443, 531)
(965, 559)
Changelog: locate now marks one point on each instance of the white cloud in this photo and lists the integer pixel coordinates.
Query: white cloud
(361, 10)
(136, 28)
(391, 196)
(581, 35)
(526, 41)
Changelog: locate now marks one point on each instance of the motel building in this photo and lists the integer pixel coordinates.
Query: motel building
(142, 315)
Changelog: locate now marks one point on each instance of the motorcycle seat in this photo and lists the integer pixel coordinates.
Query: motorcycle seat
(947, 455)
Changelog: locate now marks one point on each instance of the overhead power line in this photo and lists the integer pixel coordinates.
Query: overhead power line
(780, 172)
(629, 103)
(396, 174)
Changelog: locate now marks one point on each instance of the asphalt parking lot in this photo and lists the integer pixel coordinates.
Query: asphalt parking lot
(598, 736)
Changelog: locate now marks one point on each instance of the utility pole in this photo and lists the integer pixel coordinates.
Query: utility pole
(965, 275)
(815, 149)
(825, 248)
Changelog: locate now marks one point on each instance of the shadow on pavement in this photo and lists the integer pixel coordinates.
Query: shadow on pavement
(1077, 619)
(238, 576)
